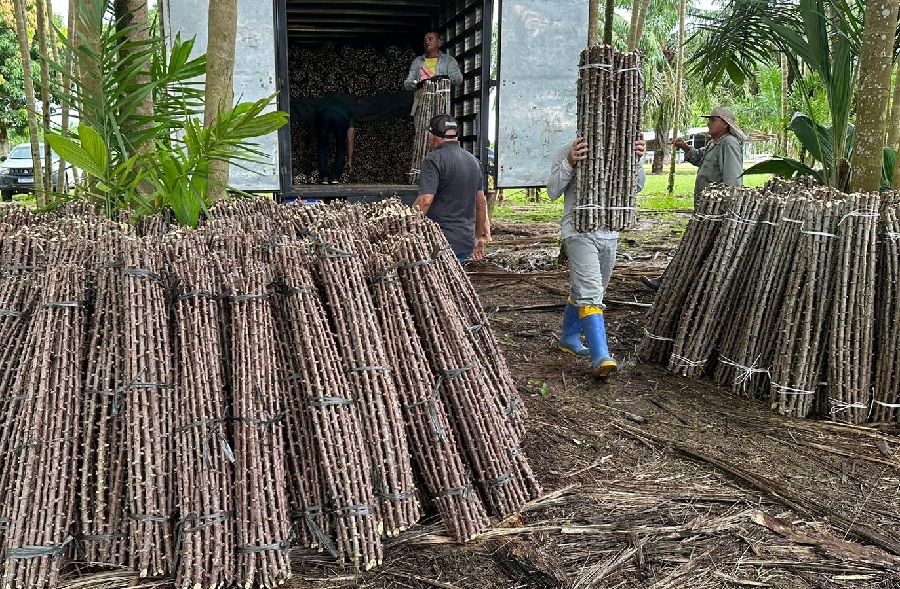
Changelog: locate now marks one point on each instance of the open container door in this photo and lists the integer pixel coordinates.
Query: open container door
(254, 73)
(540, 44)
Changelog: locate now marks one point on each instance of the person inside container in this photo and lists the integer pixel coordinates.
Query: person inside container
(591, 260)
(432, 65)
(334, 120)
(450, 190)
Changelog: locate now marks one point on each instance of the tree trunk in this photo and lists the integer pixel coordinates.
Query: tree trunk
(133, 13)
(219, 81)
(873, 93)
(608, 22)
(41, 32)
(894, 129)
(88, 25)
(679, 76)
(785, 88)
(65, 85)
(25, 50)
(638, 20)
(593, 21)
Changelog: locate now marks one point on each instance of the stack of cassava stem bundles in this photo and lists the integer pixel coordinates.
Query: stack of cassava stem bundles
(243, 391)
(886, 383)
(793, 282)
(610, 99)
(432, 99)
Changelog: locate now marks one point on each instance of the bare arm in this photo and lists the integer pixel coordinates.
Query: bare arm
(351, 142)
(482, 226)
(423, 203)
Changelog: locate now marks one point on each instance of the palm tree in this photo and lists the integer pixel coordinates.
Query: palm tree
(25, 50)
(219, 81)
(817, 37)
(873, 94)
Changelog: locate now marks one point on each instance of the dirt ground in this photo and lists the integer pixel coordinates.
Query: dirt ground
(653, 480)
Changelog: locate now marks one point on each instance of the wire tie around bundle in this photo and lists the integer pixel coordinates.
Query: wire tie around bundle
(370, 369)
(283, 545)
(596, 66)
(143, 273)
(788, 391)
(11, 313)
(64, 305)
(745, 373)
(705, 217)
(488, 314)
(23, 268)
(302, 289)
(29, 552)
(658, 337)
(837, 406)
(682, 361)
(386, 274)
(893, 235)
(510, 409)
(464, 491)
(399, 496)
(501, 480)
(354, 510)
(735, 218)
(250, 297)
(772, 223)
(416, 264)
(430, 400)
(118, 393)
(326, 401)
(34, 442)
(205, 521)
(818, 233)
(788, 220)
(155, 519)
(867, 213)
(452, 373)
(307, 514)
(330, 251)
(212, 434)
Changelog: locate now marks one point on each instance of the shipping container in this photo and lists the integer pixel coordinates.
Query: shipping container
(300, 50)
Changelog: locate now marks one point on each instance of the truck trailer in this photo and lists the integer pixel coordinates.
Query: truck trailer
(519, 60)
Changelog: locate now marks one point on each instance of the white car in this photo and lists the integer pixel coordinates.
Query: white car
(17, 172)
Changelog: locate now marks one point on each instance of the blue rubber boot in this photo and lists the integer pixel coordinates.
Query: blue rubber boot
(571, 332)
(595, 330)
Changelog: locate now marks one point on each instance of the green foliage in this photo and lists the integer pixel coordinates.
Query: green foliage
(177, 172)
(140, 160)
(13, 119)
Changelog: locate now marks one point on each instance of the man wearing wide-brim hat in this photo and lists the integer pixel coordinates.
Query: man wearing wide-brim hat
(721, 160)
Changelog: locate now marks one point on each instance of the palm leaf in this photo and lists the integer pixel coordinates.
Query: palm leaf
(784, 167)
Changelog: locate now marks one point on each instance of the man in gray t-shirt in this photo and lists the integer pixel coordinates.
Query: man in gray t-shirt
(450, 190)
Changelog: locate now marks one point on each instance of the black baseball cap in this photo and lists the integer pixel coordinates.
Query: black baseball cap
(443, 126)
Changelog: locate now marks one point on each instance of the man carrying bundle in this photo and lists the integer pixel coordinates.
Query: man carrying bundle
(591, 260)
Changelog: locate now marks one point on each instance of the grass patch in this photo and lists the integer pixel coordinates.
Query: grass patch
(534, 206)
